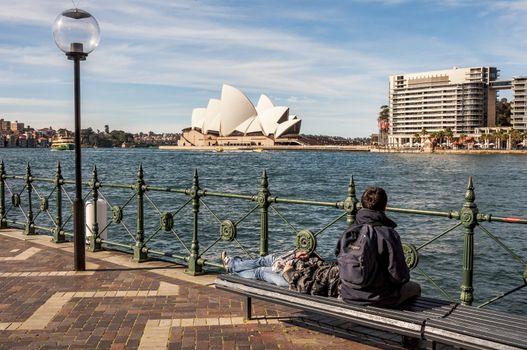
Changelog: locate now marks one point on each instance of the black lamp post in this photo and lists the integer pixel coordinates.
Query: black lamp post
(77, 33)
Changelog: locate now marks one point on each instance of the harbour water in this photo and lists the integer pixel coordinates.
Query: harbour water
(419, 181)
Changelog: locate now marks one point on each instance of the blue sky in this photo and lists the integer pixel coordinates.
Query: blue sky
(329, 61)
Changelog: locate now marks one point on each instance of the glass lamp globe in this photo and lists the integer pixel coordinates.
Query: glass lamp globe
(76, 31)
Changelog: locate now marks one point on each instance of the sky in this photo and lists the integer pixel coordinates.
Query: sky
(328, 61)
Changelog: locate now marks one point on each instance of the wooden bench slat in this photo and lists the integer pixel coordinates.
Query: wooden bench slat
(495, 320)
(489, 314)
(482, 326)
(437, 333)
(482, 329)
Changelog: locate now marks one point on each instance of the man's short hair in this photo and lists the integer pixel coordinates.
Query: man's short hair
(374, 198)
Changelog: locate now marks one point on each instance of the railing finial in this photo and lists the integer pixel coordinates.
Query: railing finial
(470, 196)
(140, 173)
(264, 179)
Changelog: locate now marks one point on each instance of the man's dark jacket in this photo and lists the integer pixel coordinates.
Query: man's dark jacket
(392, 272)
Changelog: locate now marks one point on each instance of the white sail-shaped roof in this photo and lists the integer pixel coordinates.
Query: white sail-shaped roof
(245, 125)
(214, 124)
(235, 109)
(264, 103)
(198, 117)
(213, 109)
(235, 112)
(285, 126)
(271, 117)
(255, 127)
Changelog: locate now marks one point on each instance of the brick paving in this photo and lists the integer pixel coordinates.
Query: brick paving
(118, 304)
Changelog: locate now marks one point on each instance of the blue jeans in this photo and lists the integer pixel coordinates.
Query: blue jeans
(256, 269)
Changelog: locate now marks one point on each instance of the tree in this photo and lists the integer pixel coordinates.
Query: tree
(515, 137)
(424, 133)
(384, 124)
(448, 135)
(499, 136)
(503, 112)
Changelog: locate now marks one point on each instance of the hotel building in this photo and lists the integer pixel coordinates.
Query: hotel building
(519, 103)
(461, 99)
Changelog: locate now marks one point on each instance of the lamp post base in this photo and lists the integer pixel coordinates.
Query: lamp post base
(78, 235)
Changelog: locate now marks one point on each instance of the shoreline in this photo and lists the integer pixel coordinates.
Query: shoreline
(331, 148)
(336, 148)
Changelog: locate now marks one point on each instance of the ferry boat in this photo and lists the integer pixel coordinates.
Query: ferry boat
(63, 143)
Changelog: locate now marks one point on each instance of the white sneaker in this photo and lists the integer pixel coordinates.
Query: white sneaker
(225, 259)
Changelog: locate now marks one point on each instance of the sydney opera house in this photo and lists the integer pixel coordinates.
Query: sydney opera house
(235, 121)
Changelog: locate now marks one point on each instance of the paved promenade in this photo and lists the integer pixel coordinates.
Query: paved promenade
(118, 304)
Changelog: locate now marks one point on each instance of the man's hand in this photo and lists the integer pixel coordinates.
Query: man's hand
(288, 266)
(302, 255)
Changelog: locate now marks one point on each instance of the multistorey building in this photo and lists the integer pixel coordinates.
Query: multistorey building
(459, 99)
(519, 103)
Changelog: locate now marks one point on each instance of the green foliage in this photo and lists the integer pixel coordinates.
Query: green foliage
(102, 139)
(384, 113)
(503, 112)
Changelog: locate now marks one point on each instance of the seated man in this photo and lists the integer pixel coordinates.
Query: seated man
(269, 268)
(372, 266)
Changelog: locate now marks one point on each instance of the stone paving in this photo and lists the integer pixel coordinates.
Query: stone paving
(119, 304)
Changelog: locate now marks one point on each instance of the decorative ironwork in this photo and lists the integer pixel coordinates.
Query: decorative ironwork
(44, 204)
(228, 230)
(166, 221)
(468, 218)
(15, 200)
(117, 214)
(306, 240)
(411, 256)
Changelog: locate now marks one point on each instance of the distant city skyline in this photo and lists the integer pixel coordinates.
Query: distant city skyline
(329, 62)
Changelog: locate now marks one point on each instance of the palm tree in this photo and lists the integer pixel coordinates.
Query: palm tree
(424, 133)
(500, 135)
(485, 138)
(448, 135)
(383, 123)
(515, 136)
(441, 136)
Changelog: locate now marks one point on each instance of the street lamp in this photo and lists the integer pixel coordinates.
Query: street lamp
(77, 33)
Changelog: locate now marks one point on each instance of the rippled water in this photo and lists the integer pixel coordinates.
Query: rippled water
(420, 181)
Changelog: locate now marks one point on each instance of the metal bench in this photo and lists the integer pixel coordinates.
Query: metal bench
(470, 327)
(426, 319)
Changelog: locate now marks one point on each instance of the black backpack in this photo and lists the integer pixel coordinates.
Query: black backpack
(357, 255)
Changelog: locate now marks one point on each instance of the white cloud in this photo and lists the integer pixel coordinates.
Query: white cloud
(13, 101)
(196, 46)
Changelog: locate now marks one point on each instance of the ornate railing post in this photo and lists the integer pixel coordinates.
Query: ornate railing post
(195, 265)
(95, 240)
(58, 232)
(262, 200)
(468, 217)
(30, 225)
(3, 219)
(140, 254)
(350, 203)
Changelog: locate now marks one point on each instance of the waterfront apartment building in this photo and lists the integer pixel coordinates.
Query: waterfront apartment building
(460, 99)
(519, 103)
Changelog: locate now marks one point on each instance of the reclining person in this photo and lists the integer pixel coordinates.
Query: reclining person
(300, 271)
(269, 268)
(370, 256)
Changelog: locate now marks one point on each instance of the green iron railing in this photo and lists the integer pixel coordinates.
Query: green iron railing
(195, 226)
